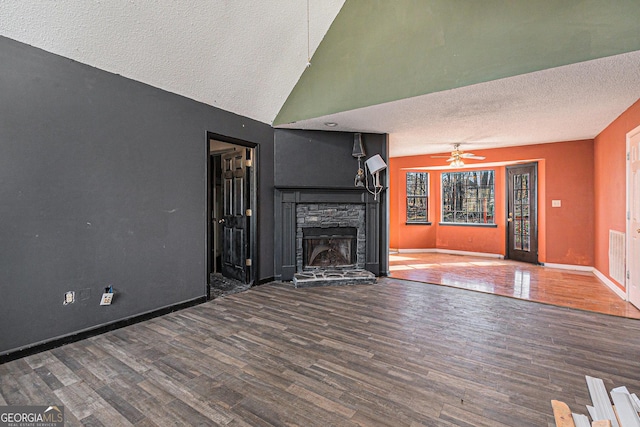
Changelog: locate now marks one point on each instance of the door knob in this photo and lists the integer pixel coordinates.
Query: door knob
(509, 219)
(221, 221)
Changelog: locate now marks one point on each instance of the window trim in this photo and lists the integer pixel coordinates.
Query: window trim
(467, 224)
(426, 197)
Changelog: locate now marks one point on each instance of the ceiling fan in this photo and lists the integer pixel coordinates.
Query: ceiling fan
(457, 156)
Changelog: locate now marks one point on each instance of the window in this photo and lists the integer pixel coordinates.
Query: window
(468, 197)
(417, 197)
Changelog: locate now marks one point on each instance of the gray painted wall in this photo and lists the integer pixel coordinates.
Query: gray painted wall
(102, 182)
(321, 159)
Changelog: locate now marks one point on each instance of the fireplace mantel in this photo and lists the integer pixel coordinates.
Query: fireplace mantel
(286, 200)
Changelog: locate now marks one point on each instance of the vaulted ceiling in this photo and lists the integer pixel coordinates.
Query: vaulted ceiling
(428, 72)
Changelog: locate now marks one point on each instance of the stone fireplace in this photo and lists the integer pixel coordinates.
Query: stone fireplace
(337, 227)
(328, 236)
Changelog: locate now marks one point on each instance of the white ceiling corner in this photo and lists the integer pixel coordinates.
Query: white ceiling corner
(242, 56)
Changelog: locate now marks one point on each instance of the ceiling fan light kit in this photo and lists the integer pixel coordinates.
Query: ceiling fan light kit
(457, 163)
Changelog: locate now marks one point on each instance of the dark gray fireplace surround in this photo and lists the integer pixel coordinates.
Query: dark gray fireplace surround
(297, 209)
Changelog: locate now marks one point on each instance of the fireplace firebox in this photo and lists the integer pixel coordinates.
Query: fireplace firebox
(329, 247)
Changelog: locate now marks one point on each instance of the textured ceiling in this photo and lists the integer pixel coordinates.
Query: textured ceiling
(497, 72)
(491, 73)
(566, 103)
(243, 56)
(380, 51)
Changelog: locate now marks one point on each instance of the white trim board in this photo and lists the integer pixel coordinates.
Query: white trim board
(451, 252)
(586, 268)
(604, 279)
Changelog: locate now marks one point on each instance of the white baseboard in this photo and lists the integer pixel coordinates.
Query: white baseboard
(586, 268)
(450, 251)
(416, 251)
(604, 279)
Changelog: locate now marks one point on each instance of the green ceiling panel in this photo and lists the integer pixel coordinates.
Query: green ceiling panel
(378, 51)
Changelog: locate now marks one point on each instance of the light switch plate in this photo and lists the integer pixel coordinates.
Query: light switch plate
(106, 299)
(556, 203)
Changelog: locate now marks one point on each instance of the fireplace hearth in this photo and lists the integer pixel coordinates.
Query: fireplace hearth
(328, 277)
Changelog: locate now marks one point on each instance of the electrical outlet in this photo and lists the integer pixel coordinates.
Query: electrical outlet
(107, 297)
(69, 297)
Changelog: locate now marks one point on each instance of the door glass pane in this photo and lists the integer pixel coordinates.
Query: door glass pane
(521, 224)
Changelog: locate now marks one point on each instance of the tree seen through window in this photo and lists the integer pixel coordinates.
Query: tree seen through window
(417, 197)
(468, 197)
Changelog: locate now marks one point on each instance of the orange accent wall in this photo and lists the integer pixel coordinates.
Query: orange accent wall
(610, 149)
(565, 234)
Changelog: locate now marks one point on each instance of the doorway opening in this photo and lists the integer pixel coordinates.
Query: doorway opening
(522, 213)
(231, 215)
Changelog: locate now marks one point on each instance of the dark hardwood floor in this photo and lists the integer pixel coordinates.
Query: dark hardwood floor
(398, 353)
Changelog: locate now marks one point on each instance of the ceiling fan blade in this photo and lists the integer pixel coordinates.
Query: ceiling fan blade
(440, 157)
(473, 156)
(468, 155)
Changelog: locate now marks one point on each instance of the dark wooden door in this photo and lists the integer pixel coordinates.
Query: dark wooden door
(234, 215)
(522, 213)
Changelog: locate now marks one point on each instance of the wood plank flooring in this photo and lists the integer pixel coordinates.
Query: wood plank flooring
(398, 353)
(582, 290)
